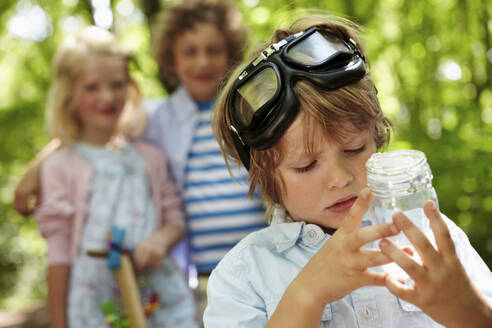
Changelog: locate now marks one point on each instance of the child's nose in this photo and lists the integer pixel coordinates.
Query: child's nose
(107, 95)
(338, 175)
(203, 59)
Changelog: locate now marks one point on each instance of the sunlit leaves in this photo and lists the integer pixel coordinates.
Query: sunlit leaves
(431, 62)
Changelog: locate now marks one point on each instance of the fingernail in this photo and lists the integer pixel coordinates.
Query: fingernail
(394, 229)
(383, 243)
(433, 206)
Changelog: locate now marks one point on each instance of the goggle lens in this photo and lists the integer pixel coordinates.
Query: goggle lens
(260, 111)
(317, 49)
(255, 93)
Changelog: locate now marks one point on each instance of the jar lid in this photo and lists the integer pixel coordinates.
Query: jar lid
(399, 171)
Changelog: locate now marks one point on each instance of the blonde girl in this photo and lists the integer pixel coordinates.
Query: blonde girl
(99, 179)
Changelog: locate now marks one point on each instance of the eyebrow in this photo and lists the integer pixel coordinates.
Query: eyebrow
(296, 155)
(355, 136)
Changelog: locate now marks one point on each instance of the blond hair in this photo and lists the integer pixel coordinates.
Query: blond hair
(61, 113)
(334, 113)
(183, 16)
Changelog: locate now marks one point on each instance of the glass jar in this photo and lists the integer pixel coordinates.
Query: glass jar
(400, 180)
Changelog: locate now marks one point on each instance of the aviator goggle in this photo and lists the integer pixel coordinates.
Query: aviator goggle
(263, 104)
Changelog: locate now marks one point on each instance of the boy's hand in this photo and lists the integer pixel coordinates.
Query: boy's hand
(150, 252)
(342, 264)
(441, 287)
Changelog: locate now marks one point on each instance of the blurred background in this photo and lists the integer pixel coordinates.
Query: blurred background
(431, 61)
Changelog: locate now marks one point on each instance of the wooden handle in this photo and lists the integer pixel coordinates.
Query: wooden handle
(131, 295)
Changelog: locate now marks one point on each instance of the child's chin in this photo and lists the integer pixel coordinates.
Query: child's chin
(335, 221)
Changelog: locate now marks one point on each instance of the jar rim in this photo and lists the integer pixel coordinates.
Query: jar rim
(395, 162)
(398, 171)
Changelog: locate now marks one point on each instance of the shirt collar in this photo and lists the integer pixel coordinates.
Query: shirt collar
(288, 233)
(183, 105)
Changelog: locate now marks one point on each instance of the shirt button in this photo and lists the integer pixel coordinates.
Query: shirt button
(366, 312)
(312, 234)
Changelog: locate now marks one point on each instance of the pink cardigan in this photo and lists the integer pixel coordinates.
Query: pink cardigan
(65, 179)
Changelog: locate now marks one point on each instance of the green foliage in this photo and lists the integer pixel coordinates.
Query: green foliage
(431, 61)
(22, 255)
(113, 318)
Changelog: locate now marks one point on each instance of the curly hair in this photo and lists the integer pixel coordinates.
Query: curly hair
(183, 16)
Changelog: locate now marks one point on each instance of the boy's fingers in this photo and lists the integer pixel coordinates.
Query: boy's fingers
(422, 245)
(354, 217)
(398, 289)
(371, 258)
(408, 250)
(365, 235)
(441, 232)
(404, 261)
(372, 278)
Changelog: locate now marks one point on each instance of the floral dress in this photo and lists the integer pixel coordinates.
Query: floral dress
(120, 195)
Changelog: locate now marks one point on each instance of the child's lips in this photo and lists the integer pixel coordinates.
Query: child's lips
(343, 204)
(108, 111)
(204, 77)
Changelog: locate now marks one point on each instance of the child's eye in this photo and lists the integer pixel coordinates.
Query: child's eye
(215, 50)
(91, 87)
(189, 52)
(118, 84)
(306, 168)
(355, 150)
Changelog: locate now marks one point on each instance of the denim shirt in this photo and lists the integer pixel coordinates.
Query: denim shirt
(247, 285)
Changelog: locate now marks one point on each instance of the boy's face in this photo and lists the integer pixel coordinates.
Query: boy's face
(321, 187)
(200, 60)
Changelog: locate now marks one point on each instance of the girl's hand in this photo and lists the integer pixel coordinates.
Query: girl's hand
(150, 252)
(441, 287)
(342, 264)
(27, 193)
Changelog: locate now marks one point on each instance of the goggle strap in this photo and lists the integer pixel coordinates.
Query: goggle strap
(356, 49)
(241, 148)
(271, 49)
(267, 52)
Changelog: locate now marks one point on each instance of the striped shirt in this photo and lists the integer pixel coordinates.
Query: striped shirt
(218, 211)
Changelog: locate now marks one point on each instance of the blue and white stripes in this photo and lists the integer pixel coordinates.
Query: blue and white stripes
(219, 214)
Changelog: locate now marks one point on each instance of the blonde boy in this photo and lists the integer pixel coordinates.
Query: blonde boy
(303, 116)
